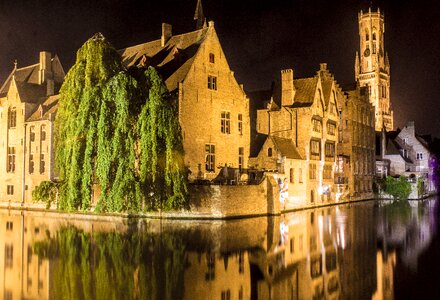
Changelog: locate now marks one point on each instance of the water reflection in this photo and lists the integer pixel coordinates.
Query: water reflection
(360, 251)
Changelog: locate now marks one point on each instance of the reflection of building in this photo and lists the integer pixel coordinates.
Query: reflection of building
(385, 275)
(28, 103)
(372, 67)
(23, 274)
(211, 275)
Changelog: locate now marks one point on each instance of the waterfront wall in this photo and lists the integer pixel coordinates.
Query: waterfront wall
(228, 201)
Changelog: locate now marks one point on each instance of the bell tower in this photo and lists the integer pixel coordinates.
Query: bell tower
(372, 68)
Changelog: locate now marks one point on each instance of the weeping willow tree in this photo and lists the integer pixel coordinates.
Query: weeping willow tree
(117, 134)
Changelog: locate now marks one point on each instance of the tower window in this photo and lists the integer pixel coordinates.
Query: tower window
(211, 58)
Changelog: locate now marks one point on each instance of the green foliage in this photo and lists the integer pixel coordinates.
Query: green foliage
(114, 265)
(117, 133)
(420, 186)
(46, 192)
(398, 188)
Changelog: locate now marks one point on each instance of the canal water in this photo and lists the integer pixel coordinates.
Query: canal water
(369, 250)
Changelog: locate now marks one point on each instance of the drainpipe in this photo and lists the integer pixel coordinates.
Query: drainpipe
(23, 183)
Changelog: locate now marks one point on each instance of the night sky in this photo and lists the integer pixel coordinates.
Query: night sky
(259, 38)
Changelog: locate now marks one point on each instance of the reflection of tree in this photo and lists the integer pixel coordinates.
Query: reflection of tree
(113, 265)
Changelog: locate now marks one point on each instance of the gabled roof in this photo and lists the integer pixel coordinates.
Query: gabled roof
(286, 147)
(27, 74)
(45, 109)
(173, 61)
(305, 91)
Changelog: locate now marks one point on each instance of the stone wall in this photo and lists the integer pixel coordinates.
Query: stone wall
(228, 201)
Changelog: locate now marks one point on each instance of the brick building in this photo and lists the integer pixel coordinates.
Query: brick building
(28, 102)
(356, 147)
(213, 107)
(295, 134)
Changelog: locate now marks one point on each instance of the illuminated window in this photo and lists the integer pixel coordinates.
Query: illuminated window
(240, 123)
(317, 125)
(329, 150)
(12, 117)
(211, 58)
(331, 128)
(212, 82)
(225, 122)
(315, 147)
(209, 157)
(11, 159)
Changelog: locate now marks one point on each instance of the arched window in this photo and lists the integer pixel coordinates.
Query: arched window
(374, 36)
(269, 152)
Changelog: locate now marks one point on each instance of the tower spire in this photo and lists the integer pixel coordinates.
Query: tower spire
(199, 17)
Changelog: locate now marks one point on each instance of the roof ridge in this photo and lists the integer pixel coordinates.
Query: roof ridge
(22, 68)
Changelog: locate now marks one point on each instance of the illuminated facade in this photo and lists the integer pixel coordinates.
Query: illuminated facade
(372, 67)
(28, 103)
(301, 120)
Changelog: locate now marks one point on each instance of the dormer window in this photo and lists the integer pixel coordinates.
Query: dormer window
(211, 58)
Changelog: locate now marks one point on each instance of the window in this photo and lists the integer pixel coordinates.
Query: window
(374, 36)
(374, 47)
(11, 159)
(42, 164)
(331, 128)
(9, 226)
(292, 175)
(226, 295)
(10, 189)
(31, 163)
(317, 125)
(211, 58)
(12, 117)
(240, 262)
(316, 267)
(240, 158)
(327, 172)
(419, 155)
(9, 256)
(312, 171)
(300, 175)
(210, 262)
(405, 141)
(269, 152)
(225, 122)
(32, 133)
(43, 133)
(209, 157)
(367, 37)
(329, 150)
(332, 105)
(212, 82)
(240, 123)
(315, 147)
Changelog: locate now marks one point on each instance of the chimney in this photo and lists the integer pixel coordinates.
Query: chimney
(45, 71)
(50, 87)
(167, 33)
(411, 128)
(287, 88)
